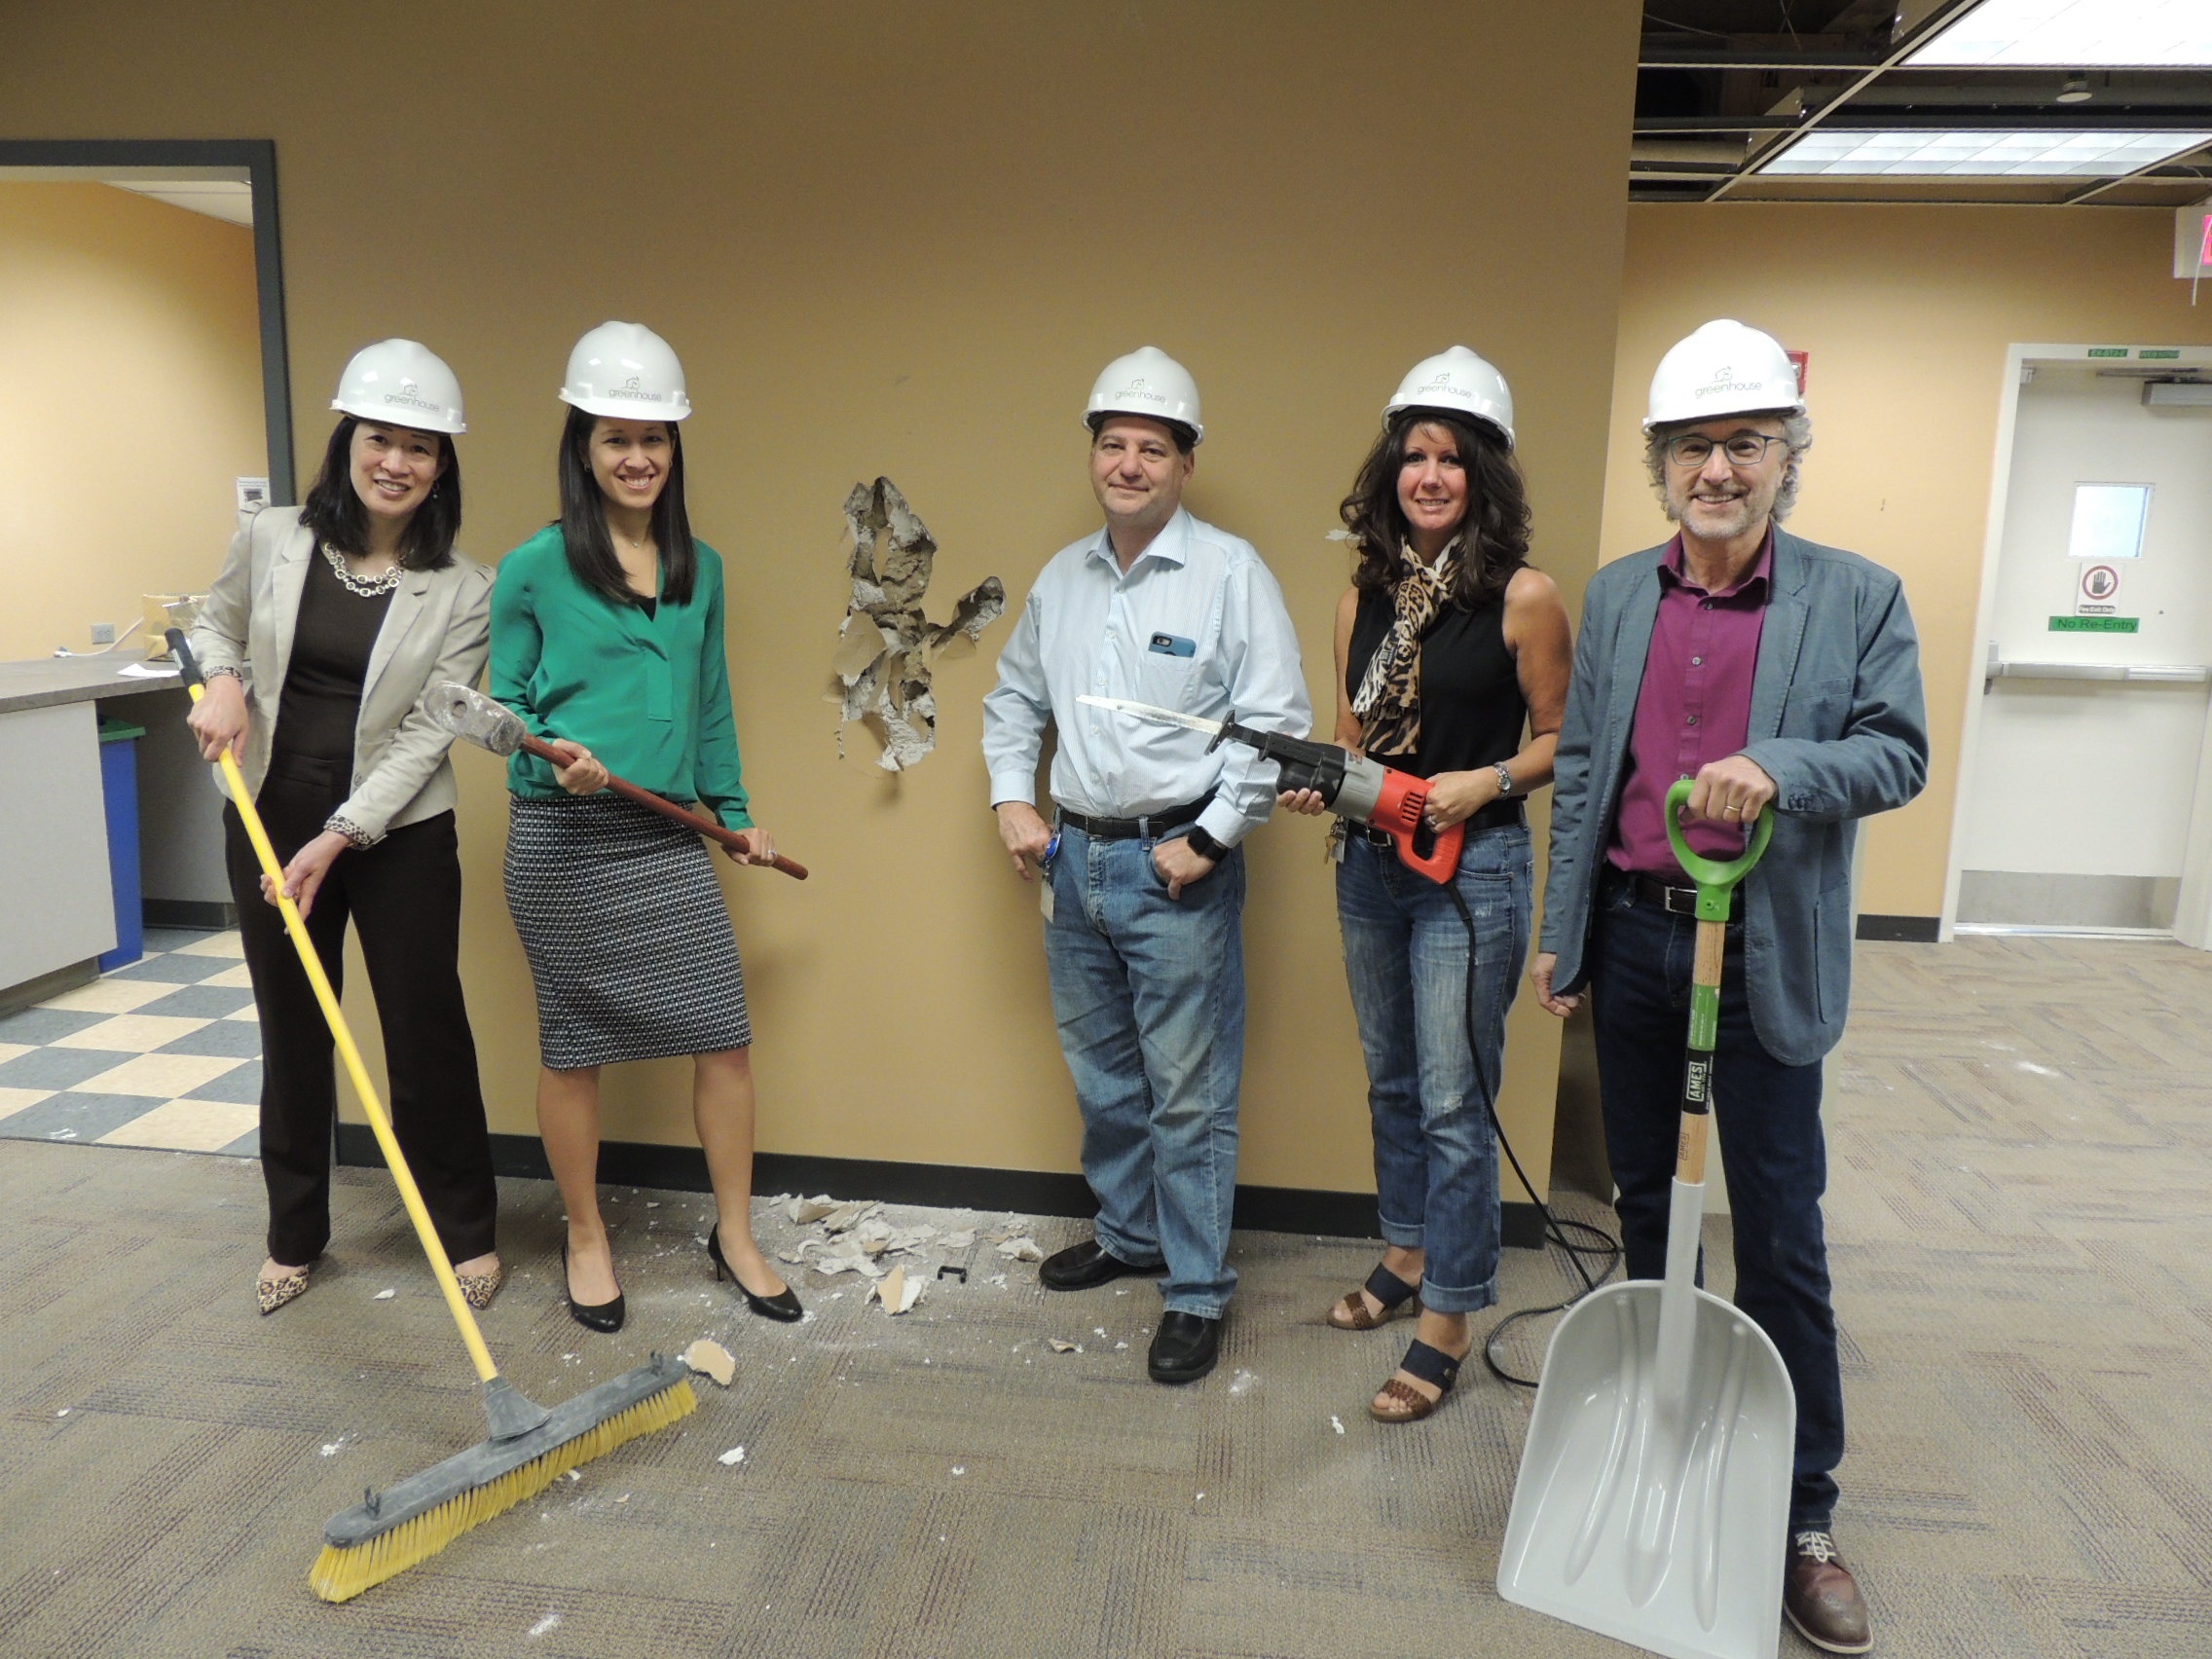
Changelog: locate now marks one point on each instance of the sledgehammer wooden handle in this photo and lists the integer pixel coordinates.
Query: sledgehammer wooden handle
(698, 821)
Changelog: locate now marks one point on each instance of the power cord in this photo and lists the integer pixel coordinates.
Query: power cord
(1555, 1227)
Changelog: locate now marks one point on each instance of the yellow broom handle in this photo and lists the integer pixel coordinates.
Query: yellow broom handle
(409, 1193)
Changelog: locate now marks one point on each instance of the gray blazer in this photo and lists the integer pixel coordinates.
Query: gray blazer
(438, 628)
(1836, 722)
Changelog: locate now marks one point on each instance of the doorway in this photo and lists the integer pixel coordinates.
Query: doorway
(2082, 806)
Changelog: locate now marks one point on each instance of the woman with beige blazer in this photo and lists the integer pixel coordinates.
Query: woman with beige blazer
(318, 640)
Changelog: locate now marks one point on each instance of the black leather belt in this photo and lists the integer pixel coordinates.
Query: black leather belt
(1674, 900)
(1138, 829)
(1492, 816)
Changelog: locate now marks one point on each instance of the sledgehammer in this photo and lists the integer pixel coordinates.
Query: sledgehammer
(468, 713)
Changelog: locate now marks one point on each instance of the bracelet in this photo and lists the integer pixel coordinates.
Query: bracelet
(207, 674)
(1204, 844)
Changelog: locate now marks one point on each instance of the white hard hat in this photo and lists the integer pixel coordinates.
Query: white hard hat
(626, 371)
(1461, 382)
(404, 383)
(1724, 368)
(1146, 381)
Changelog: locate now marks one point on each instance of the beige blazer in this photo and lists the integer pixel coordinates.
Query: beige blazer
(438, 628)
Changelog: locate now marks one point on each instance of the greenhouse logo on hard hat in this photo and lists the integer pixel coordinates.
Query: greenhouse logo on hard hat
(407, 397)
(1723, 381)
(1142, 387)
(632, 390)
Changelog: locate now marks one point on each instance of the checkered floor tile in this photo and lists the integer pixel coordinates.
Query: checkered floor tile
(165, 1053)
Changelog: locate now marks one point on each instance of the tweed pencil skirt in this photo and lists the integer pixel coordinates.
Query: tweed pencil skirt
(627, 934)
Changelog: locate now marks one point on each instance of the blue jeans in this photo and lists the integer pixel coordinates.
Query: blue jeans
(1149, 995)
(1768, 1118)
(1406, 956)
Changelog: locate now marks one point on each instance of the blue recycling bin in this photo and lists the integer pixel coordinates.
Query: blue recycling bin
(119, 789)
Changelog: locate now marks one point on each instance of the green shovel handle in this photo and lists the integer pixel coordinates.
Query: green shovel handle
(1715, 880)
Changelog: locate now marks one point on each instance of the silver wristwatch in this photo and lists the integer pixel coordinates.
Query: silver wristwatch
(1505, 781)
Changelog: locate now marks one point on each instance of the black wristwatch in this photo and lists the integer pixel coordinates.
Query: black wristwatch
(1204, 844)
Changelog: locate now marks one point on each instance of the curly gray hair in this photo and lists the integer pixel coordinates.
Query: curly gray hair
(1796, 433)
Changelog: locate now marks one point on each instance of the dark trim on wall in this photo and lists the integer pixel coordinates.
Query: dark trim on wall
(1904, 929)
(258, 157)
(210, 914)
(53, 984)
(942, 1186)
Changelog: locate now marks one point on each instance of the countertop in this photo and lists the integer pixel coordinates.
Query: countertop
(75, 680)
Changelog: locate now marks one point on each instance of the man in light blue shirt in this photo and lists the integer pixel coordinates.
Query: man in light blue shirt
(1144, 884)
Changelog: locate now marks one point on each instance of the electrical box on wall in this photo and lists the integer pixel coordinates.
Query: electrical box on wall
(2193, 240)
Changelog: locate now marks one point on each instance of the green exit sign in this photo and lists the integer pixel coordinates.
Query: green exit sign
(2150, 355)
(2108, 351)
(2094, 624)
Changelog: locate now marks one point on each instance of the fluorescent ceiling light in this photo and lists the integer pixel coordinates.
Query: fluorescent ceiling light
(2075, 34)
(1925, 154)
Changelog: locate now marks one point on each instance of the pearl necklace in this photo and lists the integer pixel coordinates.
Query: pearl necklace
(361, 587)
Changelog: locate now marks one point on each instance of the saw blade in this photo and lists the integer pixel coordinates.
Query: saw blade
(1154, 712)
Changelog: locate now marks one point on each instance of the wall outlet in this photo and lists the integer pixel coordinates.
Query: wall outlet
(103, 633)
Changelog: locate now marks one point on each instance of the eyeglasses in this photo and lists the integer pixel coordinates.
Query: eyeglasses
(1745, 449)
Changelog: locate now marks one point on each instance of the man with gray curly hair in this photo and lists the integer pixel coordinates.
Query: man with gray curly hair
(1774, 672)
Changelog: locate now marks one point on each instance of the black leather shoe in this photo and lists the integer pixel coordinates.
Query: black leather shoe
(784, 1305)
(1081, 1266)
(592, 1316)
(1184, 1348)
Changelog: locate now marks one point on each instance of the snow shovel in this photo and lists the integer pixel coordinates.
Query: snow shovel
(1653, 1501)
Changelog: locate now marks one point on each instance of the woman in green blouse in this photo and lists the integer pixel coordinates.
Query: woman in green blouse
(606, 638)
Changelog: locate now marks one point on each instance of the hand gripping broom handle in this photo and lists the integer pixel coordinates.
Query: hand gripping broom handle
(1715, 885)
(409, 1193)
(698, 821)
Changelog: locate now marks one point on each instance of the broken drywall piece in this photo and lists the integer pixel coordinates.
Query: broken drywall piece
(964, 1239)
(897, 1293)
(1059, 1346)
(709, 1359)
(887, 648)
(846, 1217)
(804, 1210)
(733, 1457)
(1021, 1249)
(873, 1235)
(384, 1295)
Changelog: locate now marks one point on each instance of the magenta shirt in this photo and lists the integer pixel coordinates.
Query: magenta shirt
(1694, 707)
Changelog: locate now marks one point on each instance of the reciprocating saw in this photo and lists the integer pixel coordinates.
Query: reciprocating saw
(1353, 787)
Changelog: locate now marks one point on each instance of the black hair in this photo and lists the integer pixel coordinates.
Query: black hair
(583, 520)
(1495, 531)
(1186, 438)
(333, 510)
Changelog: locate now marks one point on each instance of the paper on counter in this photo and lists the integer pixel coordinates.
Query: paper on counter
(887, 648)
(148, 670)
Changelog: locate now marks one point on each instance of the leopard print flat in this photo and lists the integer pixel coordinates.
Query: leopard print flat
(273, 1293)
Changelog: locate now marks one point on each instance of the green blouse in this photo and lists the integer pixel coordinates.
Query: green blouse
(649, 696)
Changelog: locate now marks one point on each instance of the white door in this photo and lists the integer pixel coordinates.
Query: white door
(2082, 785)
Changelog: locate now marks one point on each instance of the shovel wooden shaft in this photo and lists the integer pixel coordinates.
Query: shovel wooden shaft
(1697, 1065)
(698, 821)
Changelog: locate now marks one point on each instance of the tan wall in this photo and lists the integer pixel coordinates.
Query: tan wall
(902, 238)
(1908, 314)
(129, 399)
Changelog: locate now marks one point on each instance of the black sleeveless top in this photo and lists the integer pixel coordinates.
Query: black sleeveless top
(1472, 713)
(331, 643)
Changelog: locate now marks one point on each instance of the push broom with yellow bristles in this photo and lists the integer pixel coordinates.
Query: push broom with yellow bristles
(530, 1447)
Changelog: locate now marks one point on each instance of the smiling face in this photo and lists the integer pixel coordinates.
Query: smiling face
(1138, 472)
(1723, 499)
(1432, 488)
(393, 468)
(631, 461)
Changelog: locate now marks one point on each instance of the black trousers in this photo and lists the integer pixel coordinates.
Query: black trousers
(404, 898)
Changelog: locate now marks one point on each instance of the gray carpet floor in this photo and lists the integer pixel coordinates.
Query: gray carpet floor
(2022, 1147)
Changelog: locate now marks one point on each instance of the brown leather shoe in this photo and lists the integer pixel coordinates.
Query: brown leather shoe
(1822, 1598)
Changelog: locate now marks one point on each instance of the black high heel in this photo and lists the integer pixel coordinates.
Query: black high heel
(783, 1306)
(592, 1316)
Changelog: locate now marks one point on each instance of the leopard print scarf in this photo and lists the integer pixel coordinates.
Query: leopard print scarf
(1389, 700)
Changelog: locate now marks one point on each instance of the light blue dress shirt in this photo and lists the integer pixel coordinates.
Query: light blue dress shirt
(1197, 625)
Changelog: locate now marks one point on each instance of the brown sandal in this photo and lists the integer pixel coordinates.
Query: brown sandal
(1351, 1313)
(1408, 1404)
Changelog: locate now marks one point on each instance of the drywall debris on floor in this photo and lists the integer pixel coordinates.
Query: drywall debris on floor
(733, 1457)
(709, 1358)
(1059, 1346)
(887, 649)
(897, 1293)
(1021, 1249)
(804, 1210)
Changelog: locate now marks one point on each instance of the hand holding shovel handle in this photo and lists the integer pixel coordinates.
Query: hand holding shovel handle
(468, 713)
